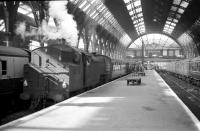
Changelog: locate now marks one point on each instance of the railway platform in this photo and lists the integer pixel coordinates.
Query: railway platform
(150, 106)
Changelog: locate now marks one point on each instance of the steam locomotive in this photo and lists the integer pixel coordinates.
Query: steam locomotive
(58, 71)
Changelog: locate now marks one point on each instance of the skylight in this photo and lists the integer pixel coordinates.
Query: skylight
(175, 13)
(100, 13)
(135, 12)
(26, 10)
(176, 2)
(2, 25)
(155, 41)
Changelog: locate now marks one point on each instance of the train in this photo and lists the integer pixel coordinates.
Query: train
(58, 71)
(12, 61)
(187, 69)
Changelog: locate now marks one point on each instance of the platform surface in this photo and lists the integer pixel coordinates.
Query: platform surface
(151, 106)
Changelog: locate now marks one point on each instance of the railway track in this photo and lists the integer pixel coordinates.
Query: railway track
(188, 93)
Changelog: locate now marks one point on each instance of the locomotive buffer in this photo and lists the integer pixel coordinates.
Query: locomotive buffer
(135, 79)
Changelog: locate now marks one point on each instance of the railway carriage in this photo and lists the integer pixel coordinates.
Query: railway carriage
(195, 70)
(119, 68)
(188, 70)
(12, 61)
(183, 69)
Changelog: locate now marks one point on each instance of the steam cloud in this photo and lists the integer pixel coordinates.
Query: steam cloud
(66, 28)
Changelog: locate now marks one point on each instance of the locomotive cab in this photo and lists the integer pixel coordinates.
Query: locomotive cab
(54, 72)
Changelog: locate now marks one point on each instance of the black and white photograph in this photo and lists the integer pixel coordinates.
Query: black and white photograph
(100, 65)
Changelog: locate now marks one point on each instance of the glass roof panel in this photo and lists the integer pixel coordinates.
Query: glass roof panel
(166, 26)
(137, 3)
(126, 1)
(154, 41)
(93, 17)
(129, 7)
(140, 15)
(139, 10)
(163, 39)
(141, 19)
(169, 18)
(184, 4)
(86, 7)
(173, 24)
(91, 14)
(173, 8)
(180, 11)
(176, 2)
(175, 20)
(145, 38)
(136, 15)
(168, 22)
(135, 21)
(100, 6)
(2, 25)
(107, 14)
(131, 13)
(82, 4)
(101, 9)
(178, 16)
(25, 9)
(175, 14)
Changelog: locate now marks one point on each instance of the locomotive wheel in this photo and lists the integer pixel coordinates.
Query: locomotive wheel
(34, 103)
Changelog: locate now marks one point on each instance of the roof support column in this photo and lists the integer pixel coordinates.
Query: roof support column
(142, 52)
(109, 48)
(106, 48)
(113, 48)
(10, 15)
(40, 15)
(85, 40)
(93, 42)
(101, 46)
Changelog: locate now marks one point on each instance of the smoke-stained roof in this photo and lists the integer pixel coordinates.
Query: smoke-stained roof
(12, 51)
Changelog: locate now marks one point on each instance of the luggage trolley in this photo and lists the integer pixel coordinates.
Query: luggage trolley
(135, 79)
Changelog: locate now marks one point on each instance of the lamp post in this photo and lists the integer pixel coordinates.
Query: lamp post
(142, 52)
